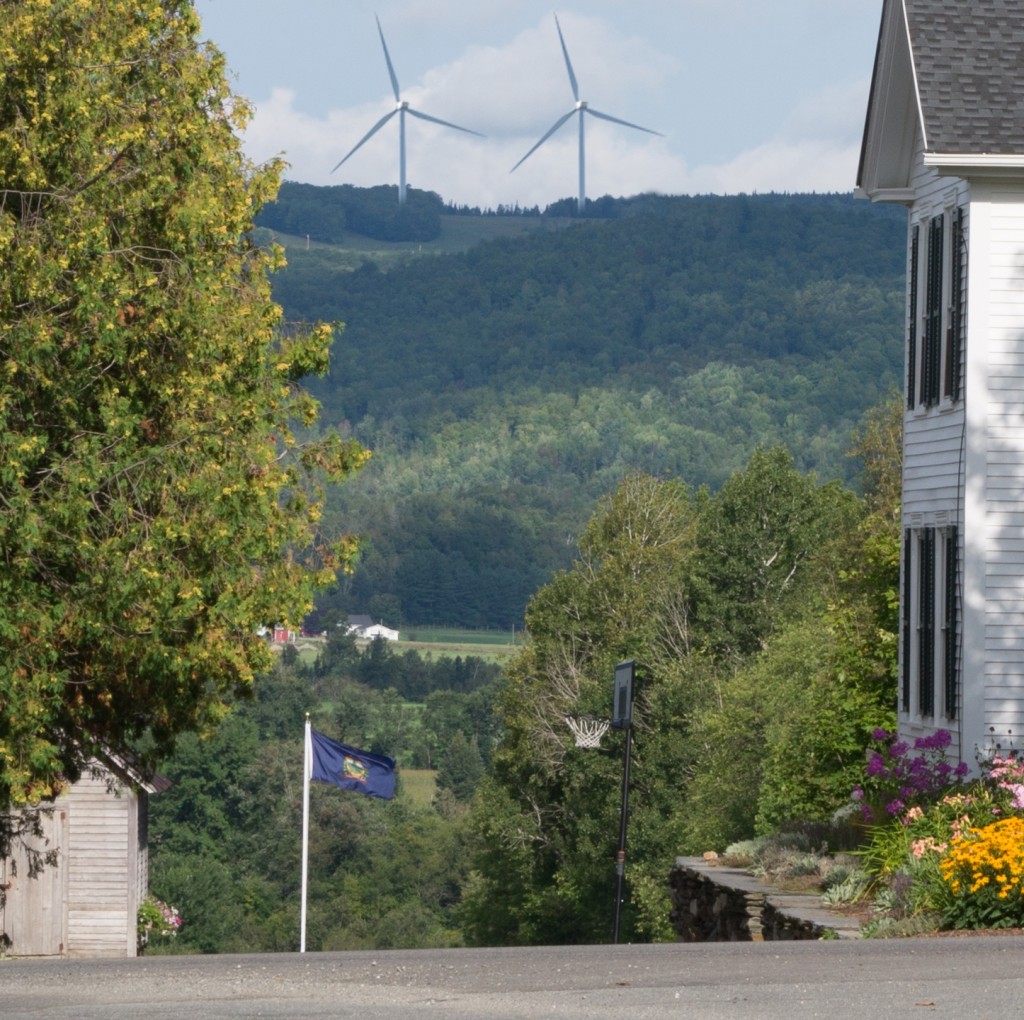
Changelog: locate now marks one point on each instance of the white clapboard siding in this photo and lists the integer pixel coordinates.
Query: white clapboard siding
(933, 437)
(1003, 444)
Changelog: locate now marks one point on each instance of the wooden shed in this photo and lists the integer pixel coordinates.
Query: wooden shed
(86, 903)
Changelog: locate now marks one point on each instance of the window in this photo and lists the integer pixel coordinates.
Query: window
(936, 319)
(932, 354)
(926, 622)
(930, 635)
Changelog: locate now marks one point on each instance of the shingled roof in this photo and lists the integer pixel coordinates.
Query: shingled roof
(969, 64)
(950, 74)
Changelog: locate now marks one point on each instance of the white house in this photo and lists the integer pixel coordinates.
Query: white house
(86, 902)
(364, 627)
(944, 137)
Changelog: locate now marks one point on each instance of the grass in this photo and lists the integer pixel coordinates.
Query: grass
(489, 645)
(419, 785)
(458, 233)
(442, 642)
(458, 636)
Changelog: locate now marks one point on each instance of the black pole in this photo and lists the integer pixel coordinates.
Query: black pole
(620, 857)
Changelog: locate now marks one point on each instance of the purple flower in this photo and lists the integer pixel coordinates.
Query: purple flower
(894, 807)
(880, 735)
(876, 764)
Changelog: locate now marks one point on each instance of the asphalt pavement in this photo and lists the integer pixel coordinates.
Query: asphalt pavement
(974, 978)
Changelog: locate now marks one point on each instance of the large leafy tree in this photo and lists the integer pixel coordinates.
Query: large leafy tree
(547, 814)
(155, 504)
(695, 587)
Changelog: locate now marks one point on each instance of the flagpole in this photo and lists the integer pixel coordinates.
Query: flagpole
(306, 770)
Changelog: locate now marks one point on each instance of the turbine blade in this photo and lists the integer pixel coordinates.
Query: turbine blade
(391, 67)
(547, 134)
(437, 120)
(568, 62)
(369, 134)
(624, 123)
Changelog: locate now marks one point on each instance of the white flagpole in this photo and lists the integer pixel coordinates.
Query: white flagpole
(306, 772)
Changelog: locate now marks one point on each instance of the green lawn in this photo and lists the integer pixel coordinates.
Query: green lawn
(490, 645)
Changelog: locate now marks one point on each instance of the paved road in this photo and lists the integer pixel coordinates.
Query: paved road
(967, 979)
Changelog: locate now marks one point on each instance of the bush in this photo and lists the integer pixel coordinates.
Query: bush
(955, 857)
(156, 920)
(895, 781)
(983, 871)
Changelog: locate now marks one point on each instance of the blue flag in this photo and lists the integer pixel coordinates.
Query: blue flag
(351, 769)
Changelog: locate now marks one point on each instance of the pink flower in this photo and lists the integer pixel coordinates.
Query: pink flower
(912, 815)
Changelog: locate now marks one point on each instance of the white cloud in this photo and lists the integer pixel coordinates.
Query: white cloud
(726, 133)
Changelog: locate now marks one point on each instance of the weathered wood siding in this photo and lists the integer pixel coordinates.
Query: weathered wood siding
(102, 868)
(34, 911)
(88, 904)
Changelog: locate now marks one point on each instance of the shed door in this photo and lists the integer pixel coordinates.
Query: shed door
(34, 913)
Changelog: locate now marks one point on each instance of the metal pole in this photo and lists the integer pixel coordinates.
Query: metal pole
(620, 857)
(306, 772)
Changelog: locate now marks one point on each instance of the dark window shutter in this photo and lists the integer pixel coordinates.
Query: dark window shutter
(915, 245)
(931, 366)
(950, 643)
(905, 620)
(926, 624)
(957, 317)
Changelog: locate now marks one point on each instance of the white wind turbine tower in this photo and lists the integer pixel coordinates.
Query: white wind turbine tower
(581, 108)
(402, 107)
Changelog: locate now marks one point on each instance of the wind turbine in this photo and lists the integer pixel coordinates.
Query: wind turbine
(582, 108)
(402, 108)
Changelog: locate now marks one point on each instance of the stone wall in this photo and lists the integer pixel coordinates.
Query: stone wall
(712, 903)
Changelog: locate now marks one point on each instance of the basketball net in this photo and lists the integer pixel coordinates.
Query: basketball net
(587, 730)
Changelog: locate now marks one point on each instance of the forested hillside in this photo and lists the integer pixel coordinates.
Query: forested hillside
(505, 388)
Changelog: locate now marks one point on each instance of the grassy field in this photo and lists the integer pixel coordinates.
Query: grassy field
(419, 785)
(490, 645)
(458, 233)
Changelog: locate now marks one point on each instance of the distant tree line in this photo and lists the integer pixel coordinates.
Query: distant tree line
(503, 390)
(328, 214)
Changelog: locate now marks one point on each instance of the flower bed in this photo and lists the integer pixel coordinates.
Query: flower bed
(944, 853)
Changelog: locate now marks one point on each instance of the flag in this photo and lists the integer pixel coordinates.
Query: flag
(351, 769)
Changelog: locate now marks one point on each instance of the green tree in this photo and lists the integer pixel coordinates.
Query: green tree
(759, 549)
(547, 813)
(784, 739)
(461, 767)
(154, 506)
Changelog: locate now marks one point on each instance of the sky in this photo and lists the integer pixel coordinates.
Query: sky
(750, 96)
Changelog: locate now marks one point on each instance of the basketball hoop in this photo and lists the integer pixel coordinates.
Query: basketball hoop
(587, 730)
